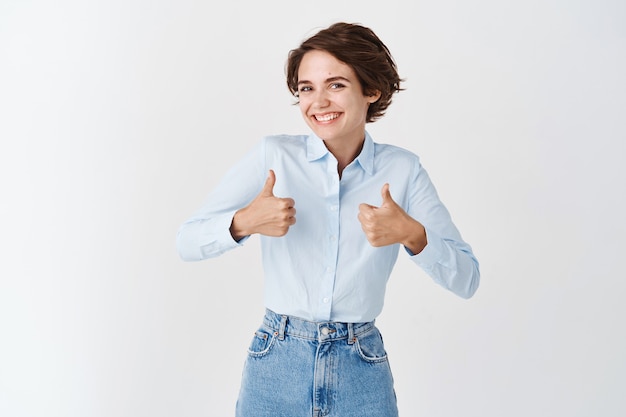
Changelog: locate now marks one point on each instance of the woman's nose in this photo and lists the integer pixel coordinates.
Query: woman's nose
(321, 99)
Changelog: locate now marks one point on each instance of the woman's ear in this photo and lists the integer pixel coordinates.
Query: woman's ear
(373, 98)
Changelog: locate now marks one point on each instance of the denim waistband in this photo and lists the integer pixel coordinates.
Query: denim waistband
(314, 330)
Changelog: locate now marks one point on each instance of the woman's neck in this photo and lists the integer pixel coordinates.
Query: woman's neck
(344, 152)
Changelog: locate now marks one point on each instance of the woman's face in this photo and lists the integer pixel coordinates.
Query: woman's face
(331, 99)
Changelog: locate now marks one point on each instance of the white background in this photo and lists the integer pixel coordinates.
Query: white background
(117, 118)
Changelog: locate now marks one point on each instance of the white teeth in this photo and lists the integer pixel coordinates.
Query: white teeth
(326, 117)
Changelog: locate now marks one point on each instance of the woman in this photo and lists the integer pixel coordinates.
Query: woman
(318, 351)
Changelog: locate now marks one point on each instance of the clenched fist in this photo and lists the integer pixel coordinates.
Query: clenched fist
(389, 224)
(266, 214)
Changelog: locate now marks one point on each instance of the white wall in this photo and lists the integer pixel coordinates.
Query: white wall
(117, 117)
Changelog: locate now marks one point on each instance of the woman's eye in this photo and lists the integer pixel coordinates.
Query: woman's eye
(336, 86)
(304, 89)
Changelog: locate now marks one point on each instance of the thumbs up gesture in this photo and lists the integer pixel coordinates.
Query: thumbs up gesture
(389, 224)
(266, 214)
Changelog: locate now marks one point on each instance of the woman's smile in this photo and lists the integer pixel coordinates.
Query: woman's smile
(326, 117)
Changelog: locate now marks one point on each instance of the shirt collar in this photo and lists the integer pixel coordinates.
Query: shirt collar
(315, 149)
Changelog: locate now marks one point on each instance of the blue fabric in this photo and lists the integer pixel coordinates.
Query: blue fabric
(324, 268)
(298, 368)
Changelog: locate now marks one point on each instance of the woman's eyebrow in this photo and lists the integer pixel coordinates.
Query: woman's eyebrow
(337, 78)
(328, 80)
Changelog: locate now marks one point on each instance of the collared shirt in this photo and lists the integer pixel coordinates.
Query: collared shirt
(324, 268)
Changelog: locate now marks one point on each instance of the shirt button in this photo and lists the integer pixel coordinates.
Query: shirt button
(333, 208)
(325, 331)
(326, 300)
(333, 238)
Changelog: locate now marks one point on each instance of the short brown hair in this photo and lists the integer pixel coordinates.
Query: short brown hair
(360, 48)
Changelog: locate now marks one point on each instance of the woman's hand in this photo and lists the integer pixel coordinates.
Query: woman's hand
(266, 214)
(389, 224)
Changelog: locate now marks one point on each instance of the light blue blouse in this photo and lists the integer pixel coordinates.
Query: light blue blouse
(324, 268)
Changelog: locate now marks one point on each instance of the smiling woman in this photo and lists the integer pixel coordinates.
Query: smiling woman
(333, 104)
(360, 49)
(318, 351)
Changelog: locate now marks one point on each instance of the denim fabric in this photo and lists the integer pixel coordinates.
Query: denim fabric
(298, 368)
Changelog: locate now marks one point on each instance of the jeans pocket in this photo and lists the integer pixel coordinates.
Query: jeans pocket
(370, 347)
(261, 343)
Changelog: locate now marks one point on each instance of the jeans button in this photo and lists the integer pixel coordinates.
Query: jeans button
(325, 331)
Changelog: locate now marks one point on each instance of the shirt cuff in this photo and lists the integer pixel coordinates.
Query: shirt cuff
(220, 238)
(432, 252)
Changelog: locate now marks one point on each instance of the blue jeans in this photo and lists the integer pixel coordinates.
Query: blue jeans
(298, 368)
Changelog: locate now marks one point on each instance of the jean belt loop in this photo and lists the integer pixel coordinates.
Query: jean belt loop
(351, 338)
(281, 330)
